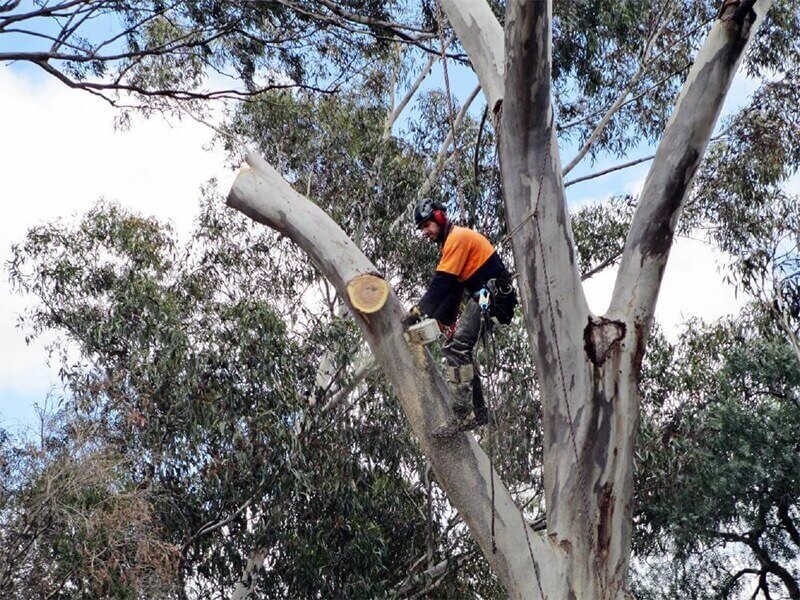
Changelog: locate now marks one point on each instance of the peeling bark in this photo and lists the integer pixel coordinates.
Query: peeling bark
(601, 337)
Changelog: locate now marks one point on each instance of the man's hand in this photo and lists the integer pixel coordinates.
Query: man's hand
(412, 316)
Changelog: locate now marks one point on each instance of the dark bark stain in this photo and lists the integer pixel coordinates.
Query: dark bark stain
(744, 12)
(605, 507)
(600, 337)
(553, 512)
(638, 356)
(656, 238)
(566, 546)
(599, 433)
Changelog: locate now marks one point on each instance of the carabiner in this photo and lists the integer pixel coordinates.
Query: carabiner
(484, 299)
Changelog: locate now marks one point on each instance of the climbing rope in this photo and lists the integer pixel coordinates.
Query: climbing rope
(535, 211)
(486, 332)
(451, 110)
(490, 370)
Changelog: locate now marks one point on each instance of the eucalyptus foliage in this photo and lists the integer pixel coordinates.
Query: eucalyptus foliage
(187, 365)
(719, 462)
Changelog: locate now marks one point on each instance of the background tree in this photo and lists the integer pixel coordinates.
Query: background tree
(75, 522)
(187, 375)
(186, 50)
(719, 463)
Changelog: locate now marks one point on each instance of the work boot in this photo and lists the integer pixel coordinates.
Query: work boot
(460, 379)
(481, 416)
(478, 403)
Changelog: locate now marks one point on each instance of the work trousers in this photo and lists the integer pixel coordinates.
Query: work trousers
(458, 351)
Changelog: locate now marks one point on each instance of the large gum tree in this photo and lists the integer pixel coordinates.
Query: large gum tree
(587, 365)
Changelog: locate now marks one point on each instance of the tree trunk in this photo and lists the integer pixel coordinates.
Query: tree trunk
(588, 366)
(246, 584)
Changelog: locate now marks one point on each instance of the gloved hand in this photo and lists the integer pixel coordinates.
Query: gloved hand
(412, 317)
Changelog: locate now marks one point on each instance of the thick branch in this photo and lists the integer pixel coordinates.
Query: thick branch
(426, 579)
(787, 522)
(9, 5)
(482, 37)
(764, 559)
(177, 94)
(46, 11)
(246, 584)
(443, 158)
(554, 304)
(364, 370)
(677, 159)
(396, 28)
(731, 582)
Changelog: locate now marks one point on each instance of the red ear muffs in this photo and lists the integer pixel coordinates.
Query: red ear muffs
(439, 217)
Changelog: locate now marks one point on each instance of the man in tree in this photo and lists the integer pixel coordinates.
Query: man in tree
(468, 263)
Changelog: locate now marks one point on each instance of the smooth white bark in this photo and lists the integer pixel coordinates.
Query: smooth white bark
(480, 33)
(678, 156)
(587, 366)
(395, 113)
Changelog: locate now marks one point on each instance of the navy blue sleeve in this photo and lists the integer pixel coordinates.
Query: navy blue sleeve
(442, 298)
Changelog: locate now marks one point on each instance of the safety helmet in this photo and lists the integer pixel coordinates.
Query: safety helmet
(429, 210)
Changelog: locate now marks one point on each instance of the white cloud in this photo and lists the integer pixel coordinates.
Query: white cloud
(693, 285)
(60, 154)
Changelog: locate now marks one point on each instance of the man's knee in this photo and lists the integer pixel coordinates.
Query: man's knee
(460, 374)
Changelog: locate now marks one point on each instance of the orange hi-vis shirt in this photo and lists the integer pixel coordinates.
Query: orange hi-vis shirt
(467, 262)
(464, 252)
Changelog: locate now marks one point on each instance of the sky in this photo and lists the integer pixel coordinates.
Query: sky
(61, 153)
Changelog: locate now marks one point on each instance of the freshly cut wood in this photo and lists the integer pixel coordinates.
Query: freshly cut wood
(367, 293)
